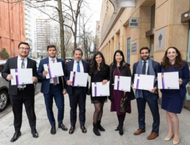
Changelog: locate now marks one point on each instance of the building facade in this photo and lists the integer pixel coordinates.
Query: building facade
(97, 36)
(12, 27)
(160, 26)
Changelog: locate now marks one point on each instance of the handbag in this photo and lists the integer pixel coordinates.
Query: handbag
(124, 104)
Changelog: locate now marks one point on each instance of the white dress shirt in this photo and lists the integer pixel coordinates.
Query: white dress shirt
(51, 61)
(75, 66)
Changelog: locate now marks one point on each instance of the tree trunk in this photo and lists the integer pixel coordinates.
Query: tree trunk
(61, 29)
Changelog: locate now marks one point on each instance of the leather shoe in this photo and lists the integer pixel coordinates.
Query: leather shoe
(34, 133)
(139, 131)
(53, 130)
(83, 129)
(117, 128)
(63, 127)
(153, 135)
(71, 130)
(15, 136)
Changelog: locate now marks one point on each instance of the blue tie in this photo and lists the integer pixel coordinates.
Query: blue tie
(78, 66)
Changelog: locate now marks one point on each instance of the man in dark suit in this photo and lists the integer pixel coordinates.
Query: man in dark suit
(21, 94)
(148, 67)
(53, 88)
(77, 95)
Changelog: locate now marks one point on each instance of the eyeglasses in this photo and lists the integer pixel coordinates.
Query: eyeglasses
(24, 48)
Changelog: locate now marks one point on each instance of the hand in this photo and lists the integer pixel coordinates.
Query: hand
(34, 79)
(45, 73)
(133, 87)
(104, 82)
(153, 90)
(125, 91)
(9, 77)
(156, 78)
(180, 81)
(69, 82)
(64, 91)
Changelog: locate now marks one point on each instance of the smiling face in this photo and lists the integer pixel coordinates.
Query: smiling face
(52, 52)
(118, 57)
(23, 50)
(78, 55)
(171, 54)
(144, 54)
(98, 59)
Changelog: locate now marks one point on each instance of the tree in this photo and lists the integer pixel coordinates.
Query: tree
(4, 54)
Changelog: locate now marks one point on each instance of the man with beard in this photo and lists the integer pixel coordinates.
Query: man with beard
(21, 94)
(53, 89)
(147, 66)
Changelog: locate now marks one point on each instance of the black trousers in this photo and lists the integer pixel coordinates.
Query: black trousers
(17, 101)
(77, 98)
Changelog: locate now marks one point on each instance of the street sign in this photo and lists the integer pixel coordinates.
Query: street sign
(133, 22)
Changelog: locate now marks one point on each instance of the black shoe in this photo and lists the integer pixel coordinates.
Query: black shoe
(121, 130)
(53, 130)
(117, 128)
(15, 136)
(63, 127)
(34, 133)
(95, 130)
(99, 126)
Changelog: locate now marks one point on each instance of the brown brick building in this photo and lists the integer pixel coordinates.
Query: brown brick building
(12, 27)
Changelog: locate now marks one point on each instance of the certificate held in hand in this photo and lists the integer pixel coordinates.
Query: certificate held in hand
(78, 79)
(54, 70)
(144, 82)
(99, 90)
(168, 80)
(21, 76)
(122, 83)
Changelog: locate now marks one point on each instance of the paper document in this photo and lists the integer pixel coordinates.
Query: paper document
(122, 83)
(79, 79)
(98, 89)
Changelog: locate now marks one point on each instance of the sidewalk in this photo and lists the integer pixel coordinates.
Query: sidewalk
(109, 122)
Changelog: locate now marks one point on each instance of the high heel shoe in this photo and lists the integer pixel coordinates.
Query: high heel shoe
(174, 142)
(169, 138)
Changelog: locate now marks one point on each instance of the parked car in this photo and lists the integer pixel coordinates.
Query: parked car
(4, 97)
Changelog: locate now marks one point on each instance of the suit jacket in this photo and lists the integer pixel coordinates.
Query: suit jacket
(69, 68)
(46, 82)
(157, 68)
(12, 64)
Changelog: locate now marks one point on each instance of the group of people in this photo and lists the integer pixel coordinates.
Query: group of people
(55, 88)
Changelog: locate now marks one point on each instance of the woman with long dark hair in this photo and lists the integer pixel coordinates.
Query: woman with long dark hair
(172, 100)
(99, 72)
(120, 68)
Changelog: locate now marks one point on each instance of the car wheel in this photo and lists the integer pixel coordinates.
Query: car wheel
(3, 100)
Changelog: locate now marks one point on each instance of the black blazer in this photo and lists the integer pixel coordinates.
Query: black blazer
(12, 64)
(124, 71)
(68, 69)
(157, 68)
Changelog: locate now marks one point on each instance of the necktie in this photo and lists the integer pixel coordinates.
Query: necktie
(78, 66)
(55, 78)
(23, 67)
(144, 68)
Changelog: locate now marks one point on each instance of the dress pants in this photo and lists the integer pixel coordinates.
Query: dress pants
(77, 98)
(153, 105)
(55, 92)
(17, 101)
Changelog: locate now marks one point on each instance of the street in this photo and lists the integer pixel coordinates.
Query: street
(109, 122)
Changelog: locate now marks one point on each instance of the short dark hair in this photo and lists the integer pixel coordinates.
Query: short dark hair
(25, 43)
(50, 46)
(143, 48)
(78, 50)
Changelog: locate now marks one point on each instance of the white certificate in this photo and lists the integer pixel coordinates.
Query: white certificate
(99, 90)
(21, 76)
(79, 79)
(122, 83)
(168, 80)
(144, 82)
(54, 70)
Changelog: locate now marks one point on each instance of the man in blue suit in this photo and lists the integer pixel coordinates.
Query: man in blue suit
(77, 95)
(147, 66)
(53, 88)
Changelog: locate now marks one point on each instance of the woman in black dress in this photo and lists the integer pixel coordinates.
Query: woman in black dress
(99, 72)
